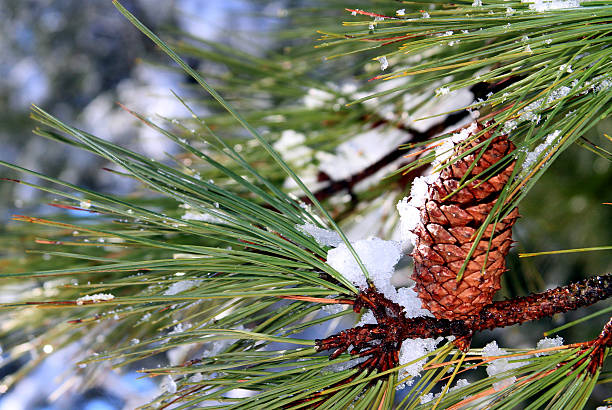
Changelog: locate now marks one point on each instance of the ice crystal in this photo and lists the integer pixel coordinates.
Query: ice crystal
(323, 237)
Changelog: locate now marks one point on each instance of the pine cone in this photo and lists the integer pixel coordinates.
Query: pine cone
(448, 229)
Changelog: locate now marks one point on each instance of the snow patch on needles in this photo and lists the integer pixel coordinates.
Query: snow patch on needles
(445, 151)
(191, 215)
(379, 258)
(181, 286)
(547, 5)
(461, 383)
(168, 384)
(323, 237)
(413, 349)
(532, 157)
(383, 63)
(500, 365)
(98, 297)
(547, 343)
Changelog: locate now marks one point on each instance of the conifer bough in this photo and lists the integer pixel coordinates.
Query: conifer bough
(460, 298)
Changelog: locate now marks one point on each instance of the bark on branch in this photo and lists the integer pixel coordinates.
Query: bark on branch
(378, 340)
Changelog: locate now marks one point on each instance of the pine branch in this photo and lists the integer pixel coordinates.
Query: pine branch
(480, 90)
(375, 340)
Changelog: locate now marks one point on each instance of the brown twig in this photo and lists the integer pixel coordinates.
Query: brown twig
(479, 90)
(377, 340)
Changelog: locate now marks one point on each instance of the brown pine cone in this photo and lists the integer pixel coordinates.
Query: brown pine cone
(448, 228)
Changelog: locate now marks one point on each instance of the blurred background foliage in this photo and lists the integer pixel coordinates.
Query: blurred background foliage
(76, 59)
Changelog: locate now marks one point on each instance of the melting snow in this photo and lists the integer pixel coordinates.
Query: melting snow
(409, 207)
(413, 349)
(379, 258)
(324, 237)
(168, 384)
(181, 286)
(546, 5)
(500, 365)
(548, 343)
(98, 297)
(533, 156)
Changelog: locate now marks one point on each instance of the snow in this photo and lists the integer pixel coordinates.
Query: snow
(548, 343)
(98, 297)
(316, 98)
(334, 308)
(383, 63)
(409, 300)
(547, 5)
(533, 156)
(530, 112)
(411, 350)
(499, 365)
(200, 216)
(323, 237)
(291, 147)
(168, 384)
(446, 149)
(359, 152)
(409, 207)
(367, 319)
(427, 398)
(461, 383)
(378, 256)
(180, 286)
(430, 111)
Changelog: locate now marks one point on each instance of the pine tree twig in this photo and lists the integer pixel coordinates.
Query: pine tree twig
(377, 340)
(480, 90)
(415, 136)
